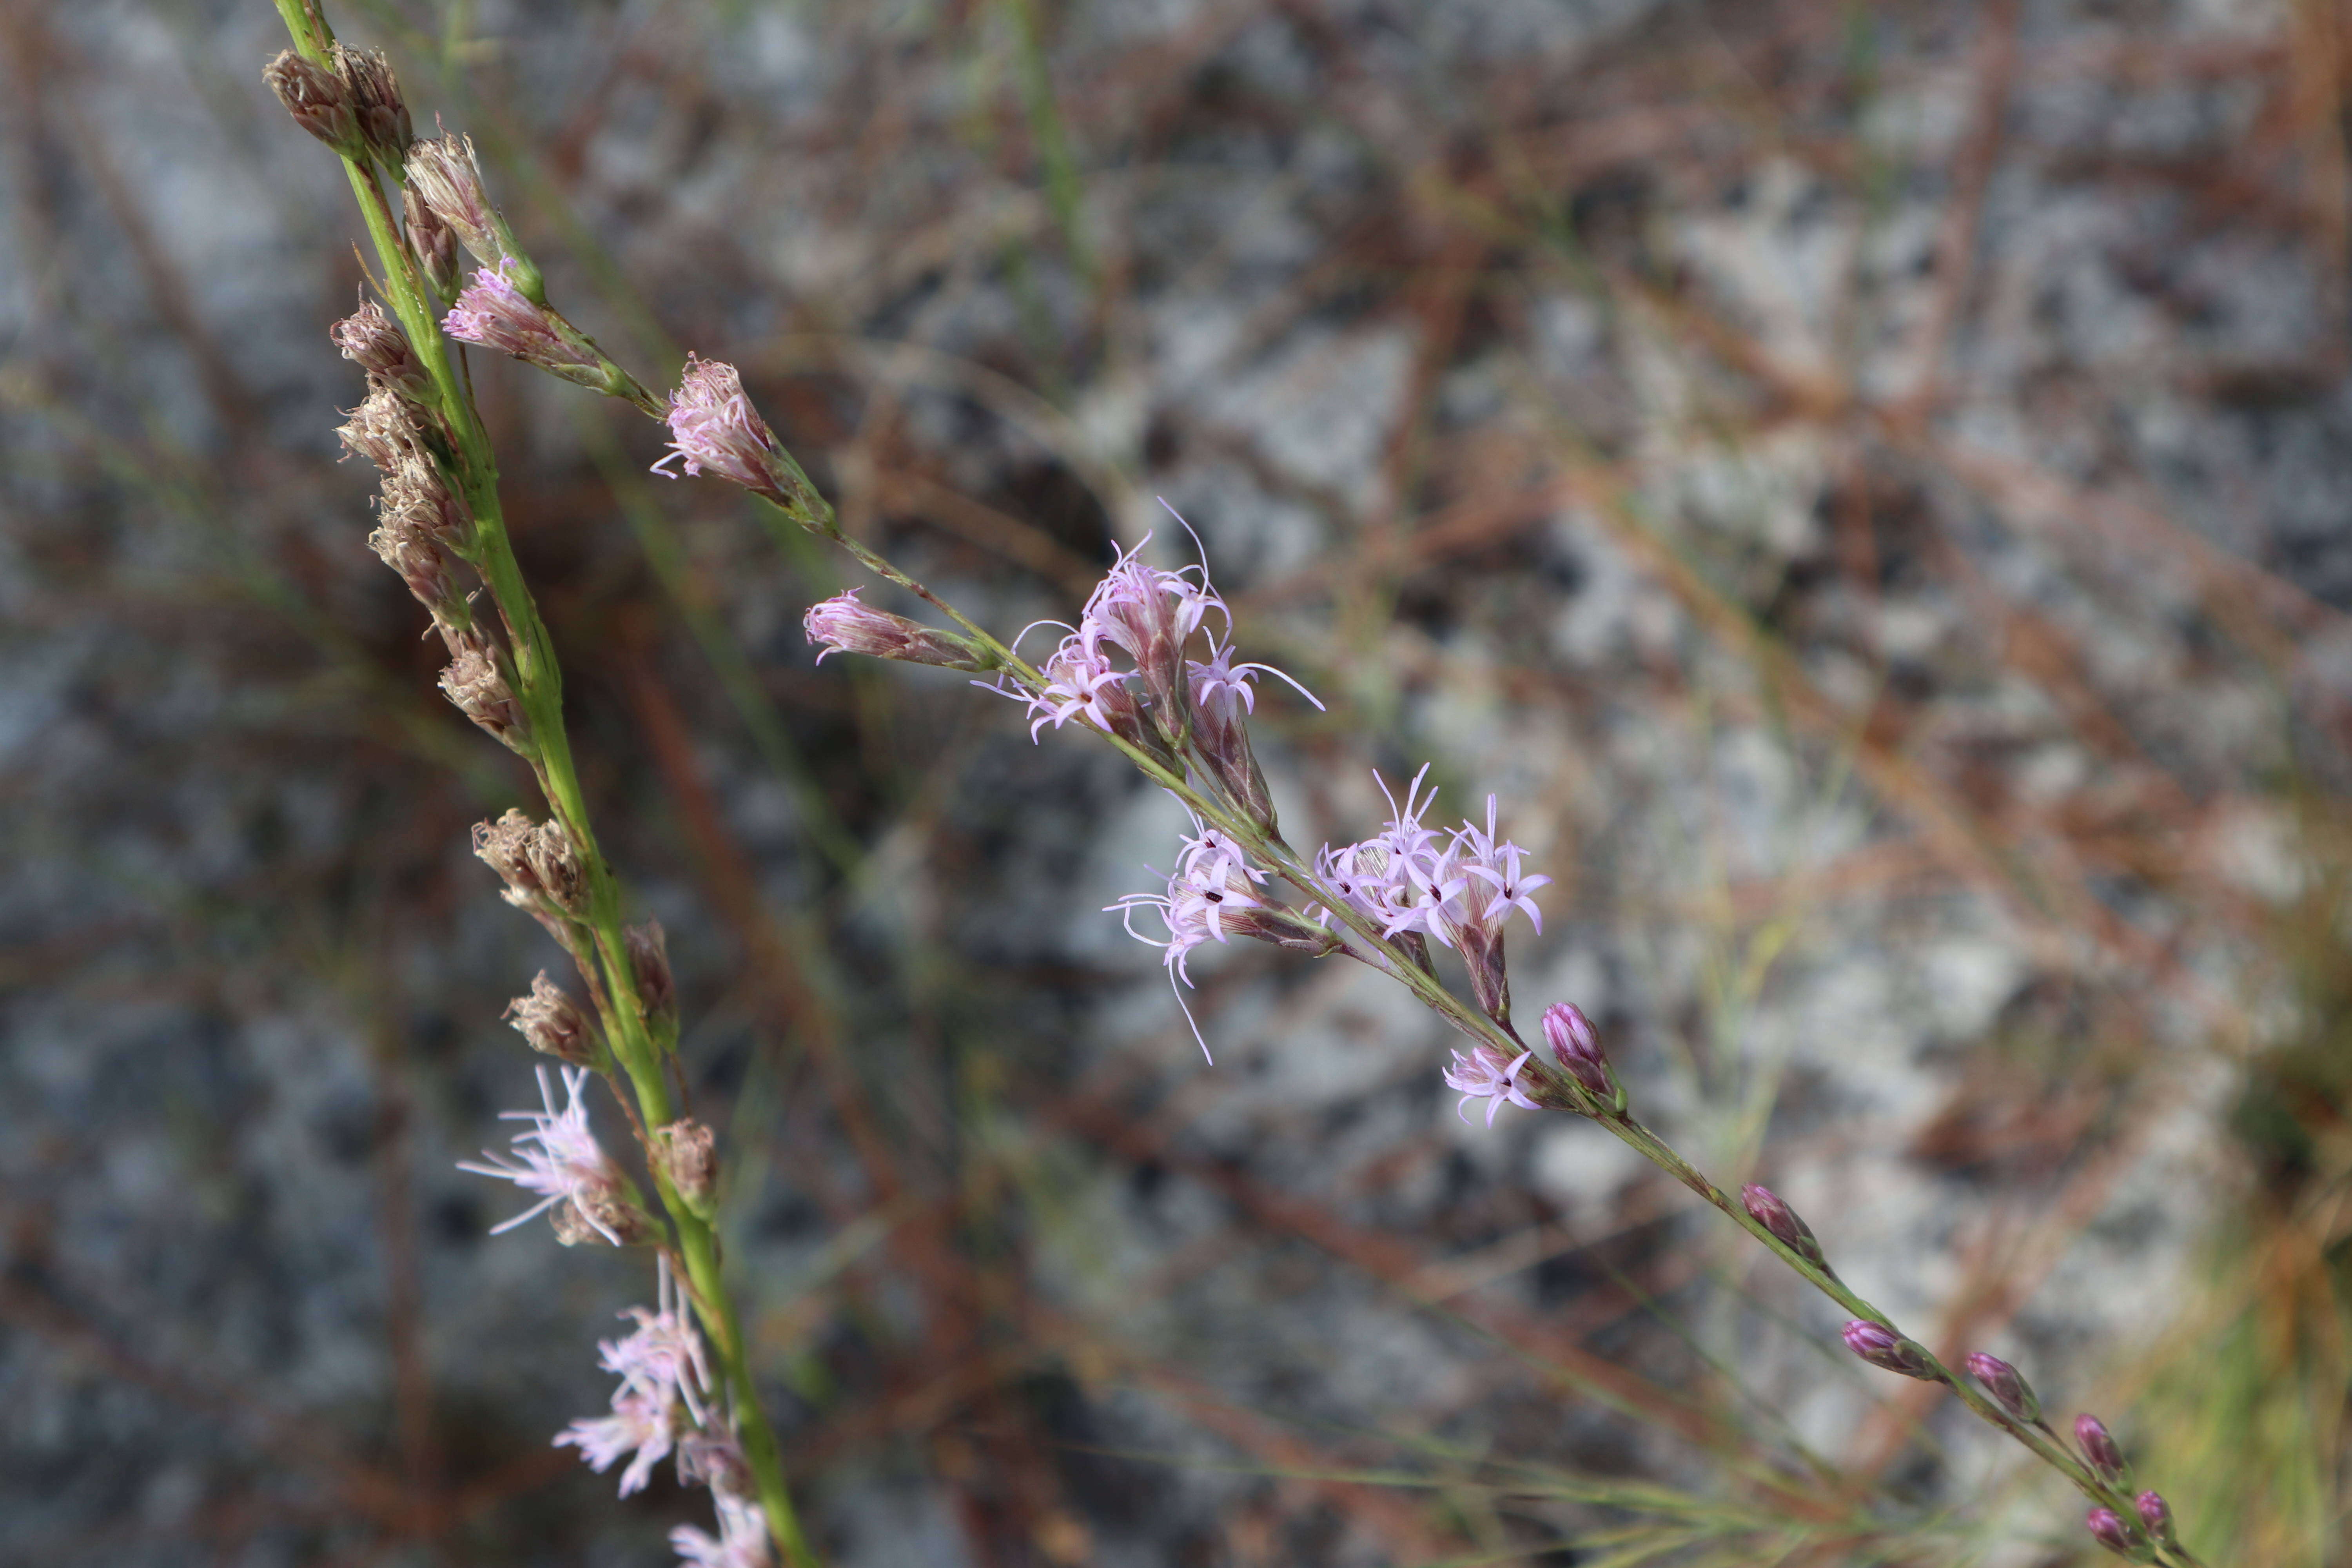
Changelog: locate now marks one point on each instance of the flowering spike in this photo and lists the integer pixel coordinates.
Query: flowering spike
(2100, 1452)
(842, 624)
(1881, 1347)
(1768, 1208)
(2006, 1386)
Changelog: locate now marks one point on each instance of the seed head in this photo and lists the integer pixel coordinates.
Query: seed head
(1767, 1208)
(386, 428)
(2006, 1386)
(478, 686)
(535, 859)
(1881, 1347)
(687, 1156)
(318, 99)
(369, 339)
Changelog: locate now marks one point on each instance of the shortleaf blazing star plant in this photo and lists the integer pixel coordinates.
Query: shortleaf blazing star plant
(1151, 667)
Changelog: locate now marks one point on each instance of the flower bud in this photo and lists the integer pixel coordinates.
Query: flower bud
(370, 341)
(842, 624)
(1881, 1347)
(2108, 1529)
(1766, 1207)
(2099, 1451)
(649, 957)
(552, 1023)
(433, 243)
(2155, 1513)
(318, 99)
(684, 1154)
(376, 103)
(2006, 1387)
(1576, 1045)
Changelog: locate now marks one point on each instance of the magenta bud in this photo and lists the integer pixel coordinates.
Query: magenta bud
(1881, 1347)
(2099, 1450)
(2006, 1387)
(842, 624)
(2155, 1513)
(1576, 1045)
(2108, 1529)
(1766, 1208)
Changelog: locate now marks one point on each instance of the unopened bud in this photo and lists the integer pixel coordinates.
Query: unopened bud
(553, 1022)
(2108, 1529)
(2100, 1452)
(478, 686)
(842, 624)
(686, 1155)
(1881, 1347)
(1576, 1045)
(2006, 1386)
(370, 339)
(376, 103)
(433, 243)
(1767, 1208)
(318, 99)
(2155, 1513)
(649, 958)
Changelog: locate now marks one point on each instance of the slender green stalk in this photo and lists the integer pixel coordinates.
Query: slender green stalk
(538, 688)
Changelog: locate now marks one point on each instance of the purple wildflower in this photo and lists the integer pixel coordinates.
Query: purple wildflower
(1768, 1209)
(742, 1540)
(1412, 878)
(2006, 1386)
(559, 1159)
(842, 624)
(497, 314)
(2098, 1445)
(713, 425)
(1486, 1074)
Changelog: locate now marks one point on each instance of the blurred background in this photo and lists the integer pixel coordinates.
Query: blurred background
(1869, 487)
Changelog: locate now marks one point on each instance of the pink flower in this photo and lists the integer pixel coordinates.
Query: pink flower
(638, 1421)
(495, 314)
(742, 1542)
(1411, 877)
(662, 1402)
(559, 1159)
(1486, 1074)
(713, 425)
(1498, 865)
(1214, 877)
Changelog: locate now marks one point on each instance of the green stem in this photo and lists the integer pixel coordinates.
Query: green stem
(539, 687)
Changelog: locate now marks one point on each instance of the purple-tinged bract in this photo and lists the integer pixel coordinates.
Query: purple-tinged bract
(1881, 1347)
(2108, 1529)
(2006, 1386)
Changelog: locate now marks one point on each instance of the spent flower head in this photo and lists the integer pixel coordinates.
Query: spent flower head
(318, 99)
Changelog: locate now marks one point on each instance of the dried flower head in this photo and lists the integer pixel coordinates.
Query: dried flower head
(649, 957)
(842, 624)
(368, 338)
(1767, 1208)
(419, 559)
(376, 103)
(1883, 1347)
(432, 242)
(447, 179)
(387, 428)
(553, 1022)
(318, 99)
(1487, 1074)
(742, 1540)
(535, 859)
(559, 1159)
(2006, 1386)
(687, 1156)
(477, 684)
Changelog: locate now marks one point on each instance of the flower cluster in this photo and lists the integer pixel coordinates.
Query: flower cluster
(664, 1393)
(1457, 887)
(559, 1159)
(1486, 1074)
